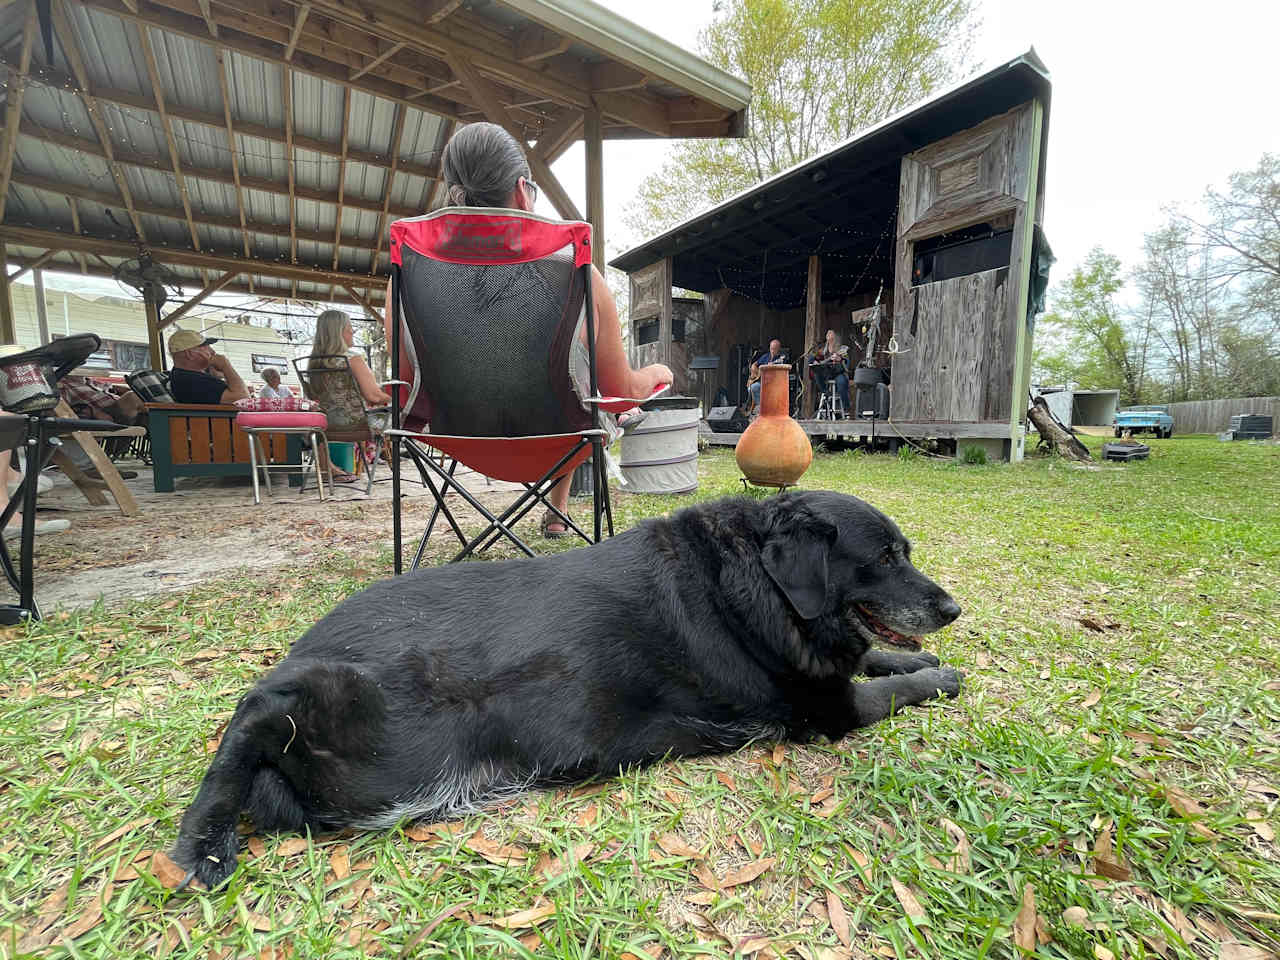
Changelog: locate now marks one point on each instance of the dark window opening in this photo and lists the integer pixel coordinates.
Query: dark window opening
(960, 253)
(647, 332)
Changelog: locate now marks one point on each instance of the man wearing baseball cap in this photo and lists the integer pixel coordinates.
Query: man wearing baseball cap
(199, 375)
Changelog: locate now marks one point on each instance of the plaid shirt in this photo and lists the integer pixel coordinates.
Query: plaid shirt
(152, 387)
(87, 398)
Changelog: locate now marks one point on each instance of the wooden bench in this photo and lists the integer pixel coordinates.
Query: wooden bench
(202, 440)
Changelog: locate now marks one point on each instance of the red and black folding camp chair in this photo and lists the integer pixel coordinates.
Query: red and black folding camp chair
(488, 303)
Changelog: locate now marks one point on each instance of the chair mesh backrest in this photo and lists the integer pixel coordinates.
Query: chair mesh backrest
(151, 386)
(328, 381)
(492, 340)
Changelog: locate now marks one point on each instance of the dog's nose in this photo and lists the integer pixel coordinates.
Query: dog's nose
(948, 609)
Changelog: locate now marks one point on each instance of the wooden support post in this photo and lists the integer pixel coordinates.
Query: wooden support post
(8, 331)
(42, 309)
(812, 321)
(593, 131)
(153, 336)
(666, 310)
(1020, 276)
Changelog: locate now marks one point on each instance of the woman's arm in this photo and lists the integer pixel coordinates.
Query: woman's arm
(369, 388)
(614, 370)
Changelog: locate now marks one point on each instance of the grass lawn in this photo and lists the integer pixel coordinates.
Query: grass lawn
(1115, 757)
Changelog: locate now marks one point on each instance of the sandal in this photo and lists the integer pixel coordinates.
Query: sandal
(345, 478)
(548, 519)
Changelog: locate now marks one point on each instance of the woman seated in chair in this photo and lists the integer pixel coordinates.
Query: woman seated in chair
(484, 166)
(334, 341)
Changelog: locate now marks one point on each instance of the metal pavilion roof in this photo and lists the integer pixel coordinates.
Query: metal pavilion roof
(291, 133)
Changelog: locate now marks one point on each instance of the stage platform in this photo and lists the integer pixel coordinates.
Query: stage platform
(880, 429)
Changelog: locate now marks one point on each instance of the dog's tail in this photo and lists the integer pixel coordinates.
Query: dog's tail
(242, 778)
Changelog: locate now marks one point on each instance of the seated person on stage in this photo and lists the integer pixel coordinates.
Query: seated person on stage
(773, 355)
(830, 364)
(272, 388)
(199, 375)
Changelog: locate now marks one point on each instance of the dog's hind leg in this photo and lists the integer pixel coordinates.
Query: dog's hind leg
(887, 663)
(207, 842)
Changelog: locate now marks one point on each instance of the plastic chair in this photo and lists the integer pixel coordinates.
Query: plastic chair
(487, 304)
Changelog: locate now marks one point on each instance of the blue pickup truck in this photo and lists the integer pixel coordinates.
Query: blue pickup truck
(1153, 417)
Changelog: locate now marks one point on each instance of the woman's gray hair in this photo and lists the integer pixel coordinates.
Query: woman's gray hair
(481, 165)
(269, 372)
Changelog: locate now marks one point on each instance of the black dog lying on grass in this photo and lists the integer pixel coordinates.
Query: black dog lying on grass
(440, 692)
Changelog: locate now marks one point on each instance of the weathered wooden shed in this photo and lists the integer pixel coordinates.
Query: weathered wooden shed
(924, 230)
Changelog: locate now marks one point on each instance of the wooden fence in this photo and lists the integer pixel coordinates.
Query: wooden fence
(1214, 416)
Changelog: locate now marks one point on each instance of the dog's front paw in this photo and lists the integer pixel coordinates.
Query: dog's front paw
(211, 867)
(947, 681)
(921, 660)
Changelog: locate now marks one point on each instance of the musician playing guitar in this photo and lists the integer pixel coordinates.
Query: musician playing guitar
(773, 355)
(830, 362)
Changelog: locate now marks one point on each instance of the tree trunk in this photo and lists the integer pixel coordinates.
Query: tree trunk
(1053, 432)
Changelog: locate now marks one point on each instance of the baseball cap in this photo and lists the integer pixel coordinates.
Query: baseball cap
(188, 340)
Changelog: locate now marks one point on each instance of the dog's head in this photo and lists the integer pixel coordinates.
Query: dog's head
(833, 555)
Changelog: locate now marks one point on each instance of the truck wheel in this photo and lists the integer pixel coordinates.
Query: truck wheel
(1168, 433)
(1118, 433)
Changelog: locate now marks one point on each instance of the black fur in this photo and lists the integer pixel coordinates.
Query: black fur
(686, 635)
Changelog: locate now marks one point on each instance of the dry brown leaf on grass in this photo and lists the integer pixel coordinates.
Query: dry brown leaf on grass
(500, 854)
(676, 847)
(1075, 916)
(291, 847)
(960, 861)
(705, 877)
(727, 780)
(1233, 950)
(1257, 820)
(910, 902)
(257, 847)
(340, 862)
(1092, 699)
(649, 953)
(1106, 862)
(524, 918)
(1024, 924)
(747, 872)
(167, 872)
(1102, 953)
(702, 897)
(588, 816)
(838, 919)
(675, 796)
(752, 943)
(1185, 805)
(779, 754)
(551, 867)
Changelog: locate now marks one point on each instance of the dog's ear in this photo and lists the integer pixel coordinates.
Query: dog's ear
(795, 558)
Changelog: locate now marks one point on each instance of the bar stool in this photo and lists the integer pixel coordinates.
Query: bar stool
(309, 424)
(830, 406)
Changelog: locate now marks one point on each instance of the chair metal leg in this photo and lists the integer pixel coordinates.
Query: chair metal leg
(253, 464)
(368, 468)
(319, 472)
(264, 463)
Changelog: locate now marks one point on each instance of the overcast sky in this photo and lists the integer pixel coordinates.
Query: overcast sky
(1150, 104)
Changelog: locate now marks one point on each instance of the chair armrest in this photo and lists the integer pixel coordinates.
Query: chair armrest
(619, 404)
(190, 407)
(395, 383)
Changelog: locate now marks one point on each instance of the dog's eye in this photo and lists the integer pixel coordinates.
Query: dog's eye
(886, 558)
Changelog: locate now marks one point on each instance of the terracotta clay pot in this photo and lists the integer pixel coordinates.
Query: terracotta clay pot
(774, 451)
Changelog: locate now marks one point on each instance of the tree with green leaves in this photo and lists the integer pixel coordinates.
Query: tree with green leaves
(1094, 348)
(820, 70)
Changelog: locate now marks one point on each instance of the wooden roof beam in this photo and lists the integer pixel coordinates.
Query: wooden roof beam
(71, 50)
(267, 293)
(380, 59)
(13, 107)
(232, 149)
(148, 162)
(560, 135)
(191, 25)
(198, 259)
(535, 43)
(52, 78)
(35, 264)
(299, 21)
(396, 136)
(72, 193)
(209, 289)
(286, 89)
(342, 179)
(495, 113)
(206, 11)
(153, 73)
